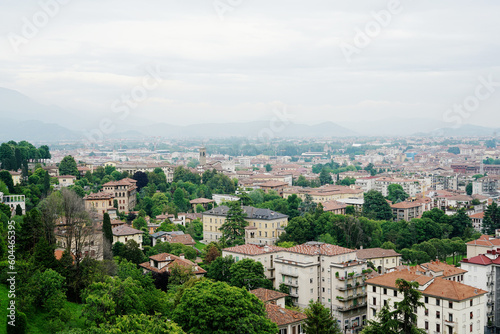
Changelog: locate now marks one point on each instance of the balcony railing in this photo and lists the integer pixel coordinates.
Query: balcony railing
(351, 307)
(289, 274)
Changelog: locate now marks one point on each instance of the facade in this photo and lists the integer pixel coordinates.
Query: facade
(100, 202)
(411, 187)
(482, 245)
(264, 225)
(66, 180)
(384, 260)
(328, 273)
(485, 185)
(450, 307)
(124, 192)
(16, 177)
(124, 233)
(219, 198)
(406, 210)
(13, 201)
(325, 193)
(265, 254)
(335, 207)
(477, 221)
(173, 237)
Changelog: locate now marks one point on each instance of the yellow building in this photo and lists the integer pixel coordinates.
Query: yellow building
(264, 225)
(124, 233)
(16, 177)
(100, 202)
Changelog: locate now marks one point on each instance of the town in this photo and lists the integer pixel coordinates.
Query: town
(290, 236)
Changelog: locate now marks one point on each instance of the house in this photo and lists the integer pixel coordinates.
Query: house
(384, 260)
(264, 254)
(124, 192)
(173, 237)
(100, 202)
(328, 273)
(66, 180)
(13, 201)
(264, 225)
(86, 240)
(201, 201)
(163, 263)
(219, 198)
(288, 321)
(450, 307)
(277, 186)
(335, 207)
(477, 221)
(483, 244)
(124, 233)
(406, 210)
(16, 177)
(438, 269)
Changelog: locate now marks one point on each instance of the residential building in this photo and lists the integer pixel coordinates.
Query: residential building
(66, 180)
(201, 201)
(220, 198)
(163, 263)
(406, 210)
(124, 192)
(483, 244)
(486, 185)
(288, 321)
(264, 225)
(13, 201)
(173, 237)
(411, 187)
(87, 240)
(124, 233)
(483, 272)
(450, 307)
(16, 177)
(325, 193)
(265, 254)
(383, 260)
(277, 186)
(439, 269)
(328, 273)
(100, 202)
(335, 207)
(477, 221)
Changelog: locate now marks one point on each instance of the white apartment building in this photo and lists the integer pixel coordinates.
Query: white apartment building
(450, 307)
(411, 187)
(329, 273)
(13, 201)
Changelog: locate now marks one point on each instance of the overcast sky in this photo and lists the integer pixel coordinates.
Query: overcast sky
(232, 62)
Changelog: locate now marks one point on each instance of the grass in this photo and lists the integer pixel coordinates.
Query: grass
(37, 321)
(201, 246)
(458, 258)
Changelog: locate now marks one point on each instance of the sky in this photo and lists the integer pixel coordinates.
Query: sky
(187, 62)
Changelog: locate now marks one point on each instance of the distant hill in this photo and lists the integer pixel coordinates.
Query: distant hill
(466, 130)
(35, 131)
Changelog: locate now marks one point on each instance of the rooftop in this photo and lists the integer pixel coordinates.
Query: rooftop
(252, 249)
(125, 230)
(319, 248)
(371, 253)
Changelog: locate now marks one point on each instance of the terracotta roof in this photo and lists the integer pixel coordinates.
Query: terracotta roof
(316, 248)
(274, 184)
(481, 259)
(438, 287)
(479, 215)
(172, 260)
(333, 205)
(461, 198)
(447, 269)
(282, 316)
(252, 249)
(485, 240)
(99, 195)
(125, 230)
(184, 239)
(371, 253)
(406, 205)
(267, 295)
(66, 177)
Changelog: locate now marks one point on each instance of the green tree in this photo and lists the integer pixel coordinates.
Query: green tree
(468, 188)
(108, 237)
(216, 307)
(233, 229)
(268, 168)
(396, 193)
(141, 323)
(454, 150)
(179, 199)
(403, 317)
(325, 177)
(320, 320)
(68, 166)
(7, 179)
(249, 274)
(376, 207)
(220, 269)
(132, 252)
(491, 220)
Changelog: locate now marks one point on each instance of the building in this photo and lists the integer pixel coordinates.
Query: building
(220, 198)
(406, 210)
(383, 260)
(325, 193)
(450, 307)
(483, 272)
(124, 233)
(477, 221)
(87, 240)
(264, 225)
(482, 245)
(265, 254)
(439, 269)
(13, 201)
(411, 187)
(335, 207)
(163, 263)
(66, 180)
(277, 186)
(173, 237)
(124, 192)
(288, 321)
(205, 202)
(16, 177)
(203, 156)
(485, 186)
(328, 273)
(100, 202)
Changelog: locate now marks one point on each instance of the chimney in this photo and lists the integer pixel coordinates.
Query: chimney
(182, 256)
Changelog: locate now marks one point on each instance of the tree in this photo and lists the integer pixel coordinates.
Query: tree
(468, 188)
(220, 269)
(249, 274)
(107, 237)
(233, 229)
(142, 180)
(491, 220)
(68, 166)
(212, 252)
(320, 320)
(179, 199)
(142, 323)
(325, 177)
(216, 307)
(376, 207)
(403, 318)
(7, 179)
(132, 252)
(396, 193)
(454, 150)
(268, 168)
(19, 210)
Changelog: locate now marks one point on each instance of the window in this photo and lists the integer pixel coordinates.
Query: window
(385, 302)
(310, 280)
(426, 325)
(438, 315)
(426, 311)
(471, 302)
(323, 289)
(374, 289)
(450, 317)
(471, 314)
(426, 299)
(450, 304)
(438, 301)
(471, 327)
(395, 293)
(374, 301)
(438, 328)
(312, 291)
(385, 291)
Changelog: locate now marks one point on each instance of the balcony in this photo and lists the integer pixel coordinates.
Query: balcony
(294, 294)
(288, 274)
(294, 284)
(346, 287)
(351, 307)
(354, 296)
(450, 323)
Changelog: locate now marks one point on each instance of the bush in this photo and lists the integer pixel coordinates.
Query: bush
(21, 324)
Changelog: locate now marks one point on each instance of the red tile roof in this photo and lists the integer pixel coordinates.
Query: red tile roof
(316, 248)
(267, 295)
(251, 249)
(282, 316)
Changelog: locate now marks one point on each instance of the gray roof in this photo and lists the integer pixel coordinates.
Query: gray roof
(162, 233)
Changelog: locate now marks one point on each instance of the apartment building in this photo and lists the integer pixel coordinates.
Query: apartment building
(483, 244)
(329, 273)
(264, 225)
(483, 272)
(486, 185)
(265, 254)
(411, 187)
(325, 193)
(450, 307)
(406, 210)
(383, 259)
